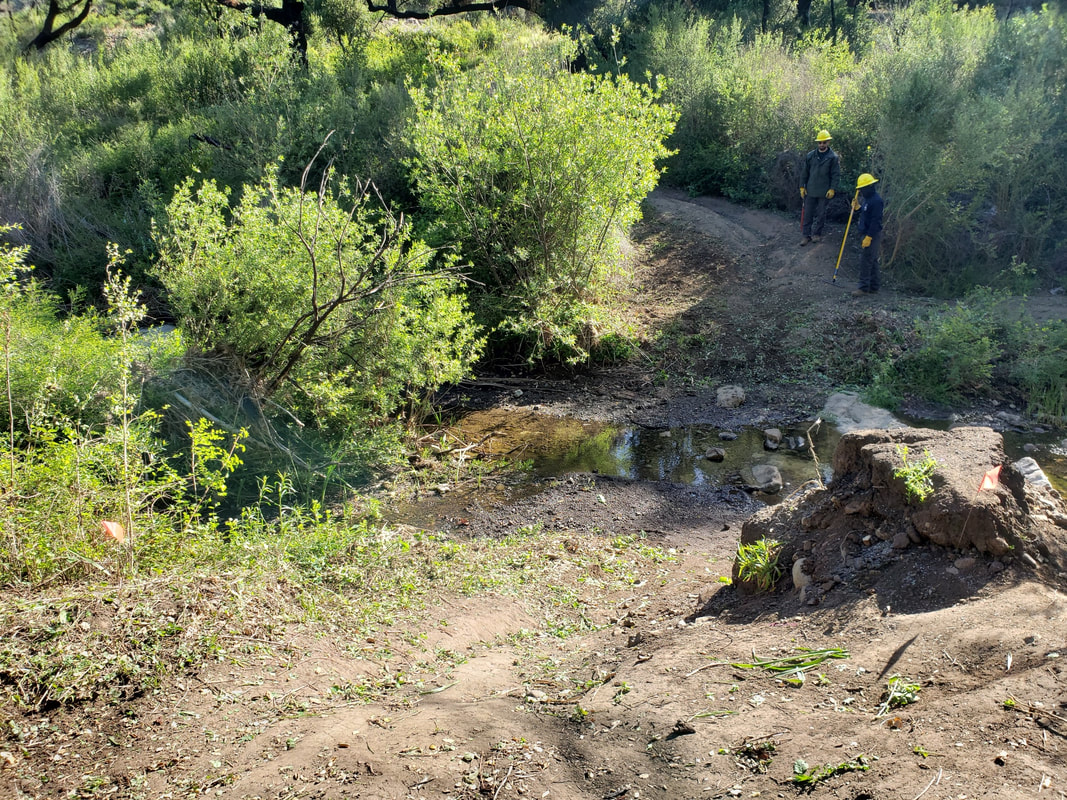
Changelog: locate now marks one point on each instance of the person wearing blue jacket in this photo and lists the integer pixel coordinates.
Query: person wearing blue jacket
(870, 205)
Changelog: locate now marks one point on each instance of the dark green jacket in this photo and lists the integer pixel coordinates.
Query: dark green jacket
(821, 172)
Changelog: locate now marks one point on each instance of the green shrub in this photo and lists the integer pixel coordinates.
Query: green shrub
(917, 475)
(743, 99)
(758, 562)
(79, 448)
(538, 173)
(959, 109)
(337, 313)
(952, 356)
(1041, 370)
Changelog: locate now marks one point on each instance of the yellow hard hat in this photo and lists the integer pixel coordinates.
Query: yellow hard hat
(866, 179)
(823, 136)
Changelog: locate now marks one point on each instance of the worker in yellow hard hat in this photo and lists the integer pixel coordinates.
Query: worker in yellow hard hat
(819, 175)
(870, 205)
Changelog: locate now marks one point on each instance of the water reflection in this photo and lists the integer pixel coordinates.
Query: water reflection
(557, 446)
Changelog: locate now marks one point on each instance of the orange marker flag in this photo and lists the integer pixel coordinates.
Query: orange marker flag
(991, 478)
(113, 530)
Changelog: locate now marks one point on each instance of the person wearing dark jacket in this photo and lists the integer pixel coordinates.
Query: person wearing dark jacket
(819, 175)
(870, 205)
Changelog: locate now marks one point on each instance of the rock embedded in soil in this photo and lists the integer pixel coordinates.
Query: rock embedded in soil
(730, 396)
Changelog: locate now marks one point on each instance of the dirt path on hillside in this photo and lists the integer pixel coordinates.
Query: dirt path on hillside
(650, 693)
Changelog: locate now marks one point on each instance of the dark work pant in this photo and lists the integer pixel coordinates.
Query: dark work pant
(814, 215)
(870, 279)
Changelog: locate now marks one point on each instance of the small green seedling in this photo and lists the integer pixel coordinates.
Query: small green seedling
(898, 693)
(917, 476)
(758, 562)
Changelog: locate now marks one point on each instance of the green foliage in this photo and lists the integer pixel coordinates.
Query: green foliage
(1041, 369)
(981, 345)
(80, 447)
(917, 475)
(899, 692)
(538, 173)
(339, 313)
(758, 562)
(954, 353)
(742, 101)
(57, 371)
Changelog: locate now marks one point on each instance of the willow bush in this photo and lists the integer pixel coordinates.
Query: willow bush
(537, 173)
(335, 311)
(962, 114)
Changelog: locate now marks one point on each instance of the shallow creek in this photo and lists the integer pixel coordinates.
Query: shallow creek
(557, 446)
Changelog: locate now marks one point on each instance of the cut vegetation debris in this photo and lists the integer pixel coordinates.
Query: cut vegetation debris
(790, 668)
(808, 776)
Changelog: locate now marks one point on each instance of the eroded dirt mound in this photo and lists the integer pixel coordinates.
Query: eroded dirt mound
(981, 510)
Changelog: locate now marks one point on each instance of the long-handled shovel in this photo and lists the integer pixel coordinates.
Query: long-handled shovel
(851, 209)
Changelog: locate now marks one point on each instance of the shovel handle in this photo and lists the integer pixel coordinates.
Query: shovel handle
(843, 238)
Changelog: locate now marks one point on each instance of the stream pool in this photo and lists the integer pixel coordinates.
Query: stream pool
(555, 446)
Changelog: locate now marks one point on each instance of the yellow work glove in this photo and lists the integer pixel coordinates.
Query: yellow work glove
(803, 192)
(830, 195)
(866, 241)
(855, 204)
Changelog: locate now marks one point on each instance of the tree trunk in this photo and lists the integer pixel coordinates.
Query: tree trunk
(49, 33)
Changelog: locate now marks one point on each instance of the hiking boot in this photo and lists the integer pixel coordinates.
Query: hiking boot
(805, 240)
(860, 293)
(817, 237)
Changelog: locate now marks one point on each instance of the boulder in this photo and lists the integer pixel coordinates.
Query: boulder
(730, 396)
(767, 478)
(849, 413)
(715, 454)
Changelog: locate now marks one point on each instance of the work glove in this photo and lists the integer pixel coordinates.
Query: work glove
(803, 192)
(866, 241)
(855, 204)
(830, 195)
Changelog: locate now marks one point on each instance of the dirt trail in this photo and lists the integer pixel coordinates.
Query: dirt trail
(650, 697)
